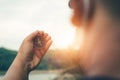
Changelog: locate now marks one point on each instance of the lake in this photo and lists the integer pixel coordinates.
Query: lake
(41, 75)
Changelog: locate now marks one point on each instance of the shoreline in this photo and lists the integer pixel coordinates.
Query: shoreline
(40, 74)
(45, 72)
(2, 73)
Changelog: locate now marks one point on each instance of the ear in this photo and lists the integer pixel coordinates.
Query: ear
(80, 14)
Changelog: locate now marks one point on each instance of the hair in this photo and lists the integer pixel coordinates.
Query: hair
(112, 7)
(79, 12)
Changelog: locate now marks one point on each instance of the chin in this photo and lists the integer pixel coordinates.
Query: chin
(76, 19)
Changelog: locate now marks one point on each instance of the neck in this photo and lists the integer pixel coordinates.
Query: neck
(102, 46)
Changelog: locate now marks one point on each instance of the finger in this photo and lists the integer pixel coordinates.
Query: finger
(41, 52)
(38, 53)
(45, 35)
(48, 45)
(47, 38)
(41, 33)
(32, 35)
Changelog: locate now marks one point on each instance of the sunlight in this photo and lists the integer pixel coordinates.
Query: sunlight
(65, 40)
(72, 38)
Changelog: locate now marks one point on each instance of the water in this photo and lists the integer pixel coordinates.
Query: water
(1, 77)
(40, 76)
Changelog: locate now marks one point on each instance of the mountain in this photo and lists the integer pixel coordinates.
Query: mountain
(6, 58)
(54, 59)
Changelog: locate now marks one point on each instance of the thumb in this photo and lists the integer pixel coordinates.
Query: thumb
(32, 36)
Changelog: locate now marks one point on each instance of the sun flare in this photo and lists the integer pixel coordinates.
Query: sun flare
(69, 39)
(65, 39)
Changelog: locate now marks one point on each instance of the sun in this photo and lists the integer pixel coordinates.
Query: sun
(65, 40)
(69, 39)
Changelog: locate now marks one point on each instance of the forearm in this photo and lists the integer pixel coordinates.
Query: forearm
(17, 71)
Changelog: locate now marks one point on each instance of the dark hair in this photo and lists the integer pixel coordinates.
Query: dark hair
(112, 6)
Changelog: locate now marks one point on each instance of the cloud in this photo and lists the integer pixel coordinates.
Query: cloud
(18, 18)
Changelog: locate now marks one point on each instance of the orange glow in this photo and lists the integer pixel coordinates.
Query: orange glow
(71, 39)
(65, 40)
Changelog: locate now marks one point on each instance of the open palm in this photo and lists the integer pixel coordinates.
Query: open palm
(32, 51)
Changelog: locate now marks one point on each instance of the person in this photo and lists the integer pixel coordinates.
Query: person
(100, 52)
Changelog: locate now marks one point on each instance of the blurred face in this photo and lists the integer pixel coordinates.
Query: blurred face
(79, 14)
(77, 7)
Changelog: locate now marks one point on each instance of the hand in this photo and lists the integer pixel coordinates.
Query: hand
(30, 54)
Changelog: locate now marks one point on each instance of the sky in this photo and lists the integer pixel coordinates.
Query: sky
(19, 18)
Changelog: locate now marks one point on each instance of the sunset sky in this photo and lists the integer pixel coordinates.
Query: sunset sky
(18, 18)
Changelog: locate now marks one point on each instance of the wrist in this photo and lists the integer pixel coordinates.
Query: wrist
(17, 71)
(21, 69)
(21, 62)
